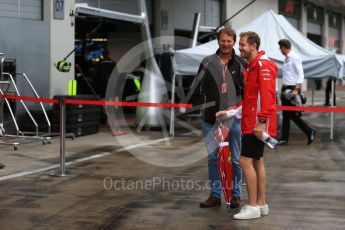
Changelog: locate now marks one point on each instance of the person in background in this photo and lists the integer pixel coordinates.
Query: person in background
(328, 91)
(292, 81)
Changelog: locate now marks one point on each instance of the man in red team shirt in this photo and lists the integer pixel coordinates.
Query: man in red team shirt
(258, 116)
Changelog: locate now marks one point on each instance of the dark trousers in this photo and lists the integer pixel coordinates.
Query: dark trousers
(329, 91)
(295, 116)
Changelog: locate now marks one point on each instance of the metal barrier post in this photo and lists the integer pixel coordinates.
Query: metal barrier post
(312, 96)
(2, 59)
(172, 110)
(332, 114)
(62, 105)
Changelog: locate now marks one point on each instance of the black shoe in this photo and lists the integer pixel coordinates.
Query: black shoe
(235, 202)
(210, 202)
(311, 136)
(282, 142)
(2, 166)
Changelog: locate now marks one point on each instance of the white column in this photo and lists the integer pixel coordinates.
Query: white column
(303, 29)
(61, 43)
(325, 31)
(325, 39)
(303, 20)
(342, 35)
(164, 19)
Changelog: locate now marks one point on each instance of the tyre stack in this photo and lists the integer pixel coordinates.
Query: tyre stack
(80, 119)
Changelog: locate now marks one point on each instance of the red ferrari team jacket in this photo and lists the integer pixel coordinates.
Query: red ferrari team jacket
(259, 100)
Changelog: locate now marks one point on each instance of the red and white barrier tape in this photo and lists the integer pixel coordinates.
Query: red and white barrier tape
(101, 103)
(32, 99)
(161, 105)
(312, 109)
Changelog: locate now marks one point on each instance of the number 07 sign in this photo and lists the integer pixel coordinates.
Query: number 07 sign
(59, 9)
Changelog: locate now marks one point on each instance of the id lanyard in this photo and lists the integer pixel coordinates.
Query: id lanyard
(224, 87)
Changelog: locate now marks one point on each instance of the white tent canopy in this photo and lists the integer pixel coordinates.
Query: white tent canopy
(317, 61)
(341, 59)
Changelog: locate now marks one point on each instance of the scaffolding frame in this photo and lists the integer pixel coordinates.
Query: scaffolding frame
(19, 137)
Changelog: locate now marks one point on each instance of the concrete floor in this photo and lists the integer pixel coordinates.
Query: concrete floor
(109, 188)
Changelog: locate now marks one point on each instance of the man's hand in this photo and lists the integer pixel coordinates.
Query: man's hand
(259, 128)
(294, 93)
(296, 89)
(222, 115)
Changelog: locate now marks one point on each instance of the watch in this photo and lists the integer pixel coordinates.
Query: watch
(262, 121)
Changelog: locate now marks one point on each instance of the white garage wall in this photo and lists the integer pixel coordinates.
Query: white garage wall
(250, 13)
(61, 43)
(185, 9)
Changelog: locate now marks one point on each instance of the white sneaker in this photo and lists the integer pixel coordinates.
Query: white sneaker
(248, 212)
(264, 210)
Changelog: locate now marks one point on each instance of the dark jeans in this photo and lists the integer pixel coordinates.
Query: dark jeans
(295, 116)
(212, 149)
